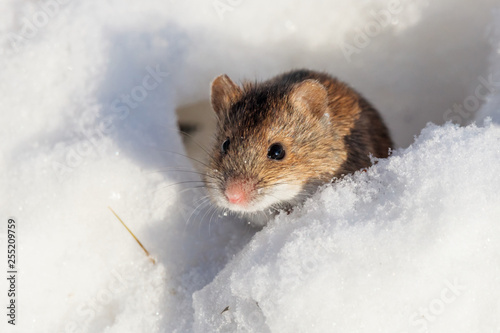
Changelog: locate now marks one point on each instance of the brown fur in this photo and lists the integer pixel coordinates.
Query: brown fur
(326, 128)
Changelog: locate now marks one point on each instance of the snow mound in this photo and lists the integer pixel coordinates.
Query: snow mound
(412, 245)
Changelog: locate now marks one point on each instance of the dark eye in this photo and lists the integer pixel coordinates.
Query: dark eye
(225, 146)
(276, 151)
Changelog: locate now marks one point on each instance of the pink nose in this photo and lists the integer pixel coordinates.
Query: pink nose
(235, 196)
(238, 192)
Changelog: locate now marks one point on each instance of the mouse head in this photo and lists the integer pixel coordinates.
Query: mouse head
(274, 144)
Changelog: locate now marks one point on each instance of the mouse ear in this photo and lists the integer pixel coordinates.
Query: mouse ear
(310, 95)
(224, 93)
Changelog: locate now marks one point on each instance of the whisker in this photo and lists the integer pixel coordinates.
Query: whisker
(203, 217)
(189, 157)
(187, 171)
(211, 217)
(179, 183)
(194, 188)
(177, 129)
(265, 215)
(202, 220)
(205, 149)
(275, 184)
(204, 200)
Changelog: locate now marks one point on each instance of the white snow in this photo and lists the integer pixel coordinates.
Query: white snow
(88, 91)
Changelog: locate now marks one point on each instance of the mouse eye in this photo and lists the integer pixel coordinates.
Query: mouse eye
(276, 152)
(225, 146)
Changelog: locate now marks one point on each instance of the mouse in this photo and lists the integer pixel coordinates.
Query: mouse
(278, 140)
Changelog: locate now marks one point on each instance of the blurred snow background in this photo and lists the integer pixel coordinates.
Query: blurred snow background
(89, 92)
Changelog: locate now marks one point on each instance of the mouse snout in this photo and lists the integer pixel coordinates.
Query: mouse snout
(239, 192)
